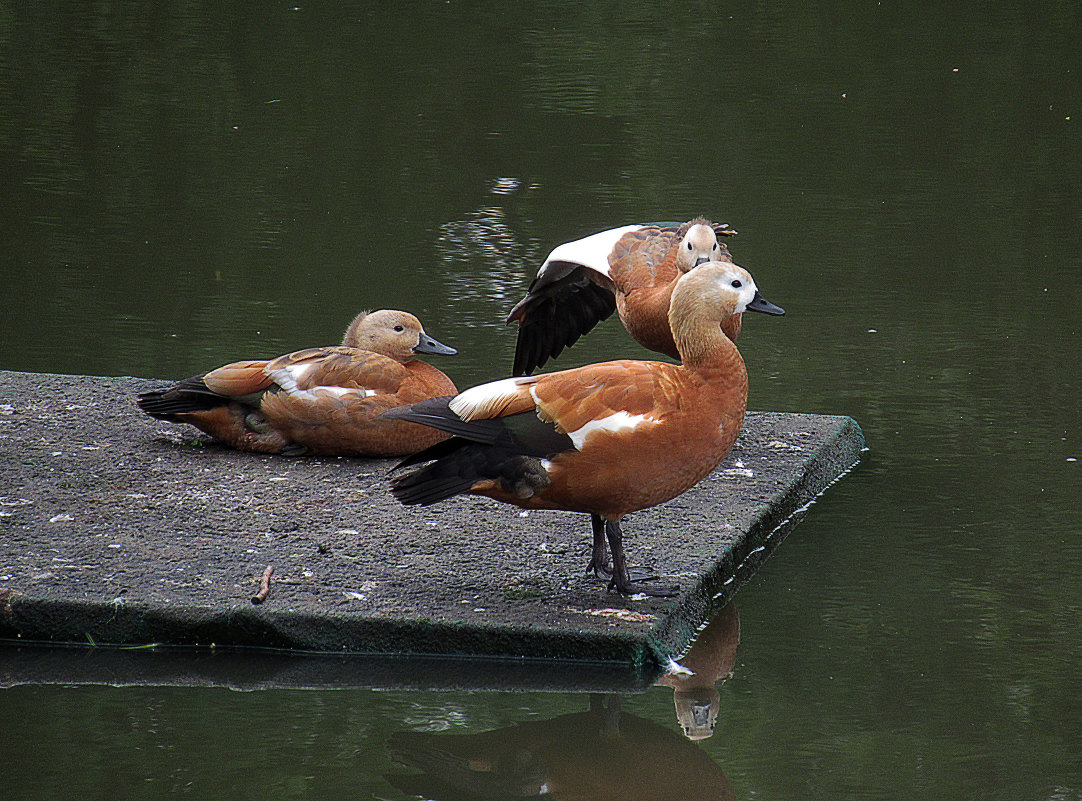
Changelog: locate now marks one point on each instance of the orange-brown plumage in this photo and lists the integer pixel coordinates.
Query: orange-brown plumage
(632, 269)
(319, 400)
(602, 754)
(671, 450)
(607, 439)
(711, 659)
(645, 266)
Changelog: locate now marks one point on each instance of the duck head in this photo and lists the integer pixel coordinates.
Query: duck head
(697, 710)
(717, 290)
(698, 246)
(393, 333)
(704, 298)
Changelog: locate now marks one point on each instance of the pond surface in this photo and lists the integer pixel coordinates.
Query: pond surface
(188, 184)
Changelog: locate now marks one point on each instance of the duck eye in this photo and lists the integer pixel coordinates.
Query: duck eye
(399, 328)
(736, 283)
(689, 246)
(714, 246)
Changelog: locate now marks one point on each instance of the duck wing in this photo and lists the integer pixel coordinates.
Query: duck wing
(501, 430)
(344, 369)
(565, 301)
(571, 294)
(240, 381)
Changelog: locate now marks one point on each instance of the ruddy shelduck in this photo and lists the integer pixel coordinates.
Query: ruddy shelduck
(693, 679)
(632, 269)
(606, 439)
(324, 401)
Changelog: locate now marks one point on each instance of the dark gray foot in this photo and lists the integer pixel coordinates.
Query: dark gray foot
(621, 580)
(634, 573)
(652, 590)
(600, 565)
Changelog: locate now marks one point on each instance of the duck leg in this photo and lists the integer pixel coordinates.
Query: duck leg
(608, 716)
(599, 562)
(621, 578)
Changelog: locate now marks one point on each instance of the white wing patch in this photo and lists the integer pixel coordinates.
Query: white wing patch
(316, 394)
(290, 376)
(674, 668)
(619, 421)
(339, 392)
(590, 251)
(482, 402)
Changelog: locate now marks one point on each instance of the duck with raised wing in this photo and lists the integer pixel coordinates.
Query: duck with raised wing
(324, 401)
(606, 439)
(632, 269)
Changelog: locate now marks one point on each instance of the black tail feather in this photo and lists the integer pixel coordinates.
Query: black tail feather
(436, 413)
(508, 450)
(422, 488)
(458, 465)
(430, 454)
(190, 395)
(454, 466)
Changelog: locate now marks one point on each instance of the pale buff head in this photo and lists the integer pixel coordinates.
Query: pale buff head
(714, 290)
(698, 246)
(393, 333)
(708, 295)
(697, 711)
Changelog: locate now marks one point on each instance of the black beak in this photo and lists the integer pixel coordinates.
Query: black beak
(761, 304)
(701, 260)
(427, 344)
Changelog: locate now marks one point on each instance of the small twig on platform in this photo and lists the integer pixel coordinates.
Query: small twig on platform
(264, 586)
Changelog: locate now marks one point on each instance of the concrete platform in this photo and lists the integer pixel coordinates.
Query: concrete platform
(119, 529)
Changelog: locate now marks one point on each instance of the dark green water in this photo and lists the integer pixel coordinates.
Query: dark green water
(183, 185)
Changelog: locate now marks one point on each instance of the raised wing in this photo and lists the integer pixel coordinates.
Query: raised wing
(564, 302)
(570, 295)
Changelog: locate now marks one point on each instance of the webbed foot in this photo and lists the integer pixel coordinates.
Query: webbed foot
(620, 576)
(654, 591)
(635, 573)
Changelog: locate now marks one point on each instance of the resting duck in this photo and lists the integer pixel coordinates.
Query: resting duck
(323, 401)
(632, 269)
(606, 439)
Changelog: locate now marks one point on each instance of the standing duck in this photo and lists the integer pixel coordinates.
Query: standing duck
(324, 401)
(606, 439)
(632, 269)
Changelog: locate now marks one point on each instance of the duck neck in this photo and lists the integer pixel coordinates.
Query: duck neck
(351, 339)
(704, 348)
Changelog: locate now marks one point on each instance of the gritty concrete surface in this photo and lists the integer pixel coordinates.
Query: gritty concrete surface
(117, 528)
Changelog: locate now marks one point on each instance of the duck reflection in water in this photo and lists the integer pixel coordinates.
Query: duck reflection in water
(602, 754)
(694, 680)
